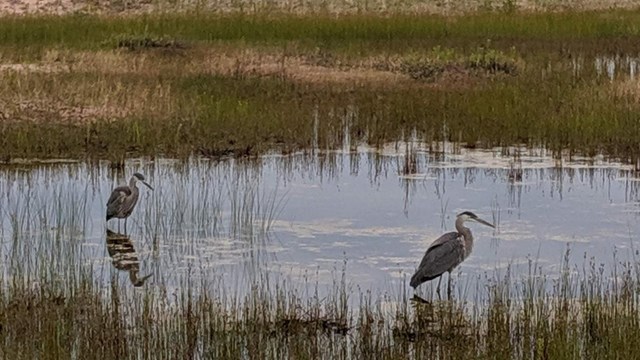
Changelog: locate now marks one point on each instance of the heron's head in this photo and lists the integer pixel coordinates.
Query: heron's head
(469, 216)
(140, 178)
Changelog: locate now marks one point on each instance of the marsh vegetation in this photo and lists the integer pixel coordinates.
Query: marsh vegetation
(267, 132)
(593, 317)
(218, 85)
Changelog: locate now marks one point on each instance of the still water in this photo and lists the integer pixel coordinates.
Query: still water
(363, 217)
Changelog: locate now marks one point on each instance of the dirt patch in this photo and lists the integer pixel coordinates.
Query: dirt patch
(16, 7)
(61, 7)
(439, 7)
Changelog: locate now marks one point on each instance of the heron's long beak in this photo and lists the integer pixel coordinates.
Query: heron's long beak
(484, 222)
(135, 280)
(149, 186)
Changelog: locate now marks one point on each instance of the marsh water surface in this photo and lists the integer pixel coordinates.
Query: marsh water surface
(364, 217)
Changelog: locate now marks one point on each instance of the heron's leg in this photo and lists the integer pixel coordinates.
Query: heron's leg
(438, 288)
(125, 225)
(449, 287)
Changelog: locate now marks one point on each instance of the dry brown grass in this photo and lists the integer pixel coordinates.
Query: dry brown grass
(74, 92)
(73, 87)
(627, 88)
(227, 61)
(230, 62)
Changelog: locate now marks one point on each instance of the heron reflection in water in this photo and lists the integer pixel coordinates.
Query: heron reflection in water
(123, 199)
(447, 252)
(123, 256)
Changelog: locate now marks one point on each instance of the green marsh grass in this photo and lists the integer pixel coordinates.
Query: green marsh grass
(214, 115)
(249, 84)
(91, 32)
(582, 314)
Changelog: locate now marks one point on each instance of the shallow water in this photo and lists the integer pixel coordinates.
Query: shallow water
(310, 218)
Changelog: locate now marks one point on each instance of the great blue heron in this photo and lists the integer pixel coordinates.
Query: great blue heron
(124, 257)
(123, 199)
(447, 252)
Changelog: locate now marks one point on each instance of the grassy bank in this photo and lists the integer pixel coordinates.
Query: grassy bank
(586, 315)
(110, 87)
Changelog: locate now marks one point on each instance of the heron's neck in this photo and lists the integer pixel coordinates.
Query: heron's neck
(132, 183)
(466, 234)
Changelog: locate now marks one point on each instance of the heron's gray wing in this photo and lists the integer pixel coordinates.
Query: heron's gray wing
(444, 238)
(428, 257)
(444, 254)
(117, 196)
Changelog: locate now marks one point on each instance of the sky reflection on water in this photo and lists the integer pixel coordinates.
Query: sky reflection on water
(305, 218)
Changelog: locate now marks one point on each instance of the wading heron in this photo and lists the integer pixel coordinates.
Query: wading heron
(447, 252)
(123, 199)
